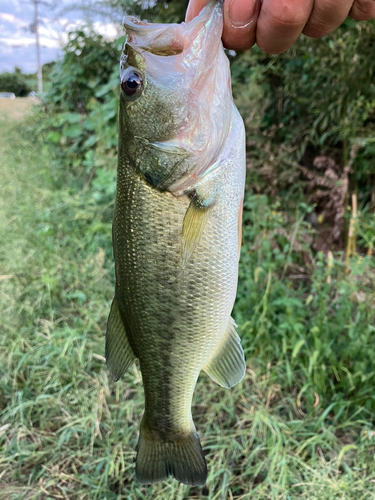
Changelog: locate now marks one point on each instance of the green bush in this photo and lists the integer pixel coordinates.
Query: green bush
(81, 105)
(17, 82)
(88, 63)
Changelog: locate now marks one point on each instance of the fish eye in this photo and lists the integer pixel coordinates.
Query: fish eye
(132, 83)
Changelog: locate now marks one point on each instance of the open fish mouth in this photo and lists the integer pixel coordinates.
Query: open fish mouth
(173, 39)
(154, 38)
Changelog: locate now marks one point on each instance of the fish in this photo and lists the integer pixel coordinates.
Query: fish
(176, 232)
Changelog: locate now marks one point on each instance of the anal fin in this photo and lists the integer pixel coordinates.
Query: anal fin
(118, 352)
(227, 366)
(194, 223)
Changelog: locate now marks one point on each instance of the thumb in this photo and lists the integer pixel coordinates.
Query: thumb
(194, 8)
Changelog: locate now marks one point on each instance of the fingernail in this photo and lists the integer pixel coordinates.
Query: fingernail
(241, 14)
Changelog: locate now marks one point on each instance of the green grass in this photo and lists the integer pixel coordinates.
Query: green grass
(300, 425)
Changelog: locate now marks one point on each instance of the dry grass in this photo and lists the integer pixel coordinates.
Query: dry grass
(16, 108)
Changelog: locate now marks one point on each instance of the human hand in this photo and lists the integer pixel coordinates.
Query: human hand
(275, 25)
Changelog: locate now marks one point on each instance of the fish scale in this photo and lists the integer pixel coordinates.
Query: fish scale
(176, 249)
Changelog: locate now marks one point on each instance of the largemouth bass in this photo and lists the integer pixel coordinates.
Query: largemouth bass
(176, 232)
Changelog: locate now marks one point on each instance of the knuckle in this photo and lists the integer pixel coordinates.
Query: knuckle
(325, 18)
(363, 10)
(317, 28)
(289, 13)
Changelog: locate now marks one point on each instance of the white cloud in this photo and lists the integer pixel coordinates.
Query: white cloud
(15, 21)
(17, 43)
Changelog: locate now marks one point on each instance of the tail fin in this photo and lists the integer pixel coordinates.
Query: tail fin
(183, 459)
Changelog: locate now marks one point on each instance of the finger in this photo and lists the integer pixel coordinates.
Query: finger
(280, 23)
(363, 10)
(326, 16)
(194, 8)
(240, 19)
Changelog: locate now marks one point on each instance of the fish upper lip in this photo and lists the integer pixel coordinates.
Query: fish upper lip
(138, 26)
(134, 24)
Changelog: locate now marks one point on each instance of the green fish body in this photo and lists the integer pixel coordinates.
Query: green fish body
(176, 233)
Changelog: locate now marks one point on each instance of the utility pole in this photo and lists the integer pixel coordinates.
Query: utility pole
(34, 28)
(39, 70)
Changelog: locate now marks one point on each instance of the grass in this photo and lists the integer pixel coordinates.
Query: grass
(300, 425)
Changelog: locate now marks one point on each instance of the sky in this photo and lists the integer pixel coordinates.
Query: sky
(17, 43)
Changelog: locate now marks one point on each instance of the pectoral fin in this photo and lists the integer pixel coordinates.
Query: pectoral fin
(118, 352)
(227, 367)
(194, 223)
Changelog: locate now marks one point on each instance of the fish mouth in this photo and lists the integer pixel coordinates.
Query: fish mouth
(173, 39)
(158, 39)
(136, 25)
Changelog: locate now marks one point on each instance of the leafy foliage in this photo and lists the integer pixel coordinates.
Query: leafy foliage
(88, 63)
(17, 82)
(82, 104)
